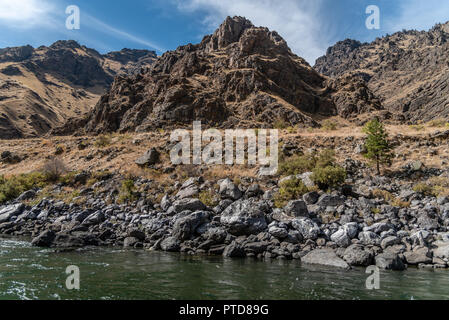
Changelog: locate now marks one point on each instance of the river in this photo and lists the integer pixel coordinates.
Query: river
(107, 273)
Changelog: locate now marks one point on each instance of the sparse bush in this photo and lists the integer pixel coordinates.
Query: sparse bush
(417, 127)
(291, 189)
(103, 141)
(329, 125)
(298, 164)
(11, 188)
(329, 177)
(127, 192)
(280, 124)
(423, 188)
(437, 123)
(54, 169)
(208, 198)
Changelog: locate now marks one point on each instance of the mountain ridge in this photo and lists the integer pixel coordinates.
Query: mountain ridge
(41, 88)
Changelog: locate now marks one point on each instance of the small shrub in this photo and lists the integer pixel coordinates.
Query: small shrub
(280, 124)
(291, 189)
(383, 194)
(396, 202)
(54, 169)
(423, 188)
(127, 192)
(437, 123)
(14, 186)
(208, 198)
(103, 141)
(298, 164)
(417, 127)
(329, 177)
(329, 125)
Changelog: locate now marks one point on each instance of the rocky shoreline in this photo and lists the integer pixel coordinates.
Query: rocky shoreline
(351, 226)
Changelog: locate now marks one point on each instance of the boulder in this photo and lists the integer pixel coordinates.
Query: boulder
(307, 228)
(325, 257)
(390, 261)
(356, 255)
(228, 190)
(170, 244)
(45, 239)
(418, 255)
(296, 208)
(11, 211)
(244, 217)
(188, 205)
(151, 157)
(234, 250)
(185, 227)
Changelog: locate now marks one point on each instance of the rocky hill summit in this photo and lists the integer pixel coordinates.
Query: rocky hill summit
(41, 88)
(241, 75)
(408, 70)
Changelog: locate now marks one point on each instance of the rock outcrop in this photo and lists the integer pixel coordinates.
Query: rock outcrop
(241, 75)
(408, 70)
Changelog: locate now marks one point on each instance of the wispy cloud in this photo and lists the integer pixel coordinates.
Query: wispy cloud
(101, 26)
(295, 20)
(24, 14)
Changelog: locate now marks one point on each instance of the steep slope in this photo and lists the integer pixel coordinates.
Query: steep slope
(241, 75)
(41, 88)
(408, 70)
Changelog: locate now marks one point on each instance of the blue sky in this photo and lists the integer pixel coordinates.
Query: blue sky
(309, 26)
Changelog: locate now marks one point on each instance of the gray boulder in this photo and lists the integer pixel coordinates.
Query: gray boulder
(151, 157)
(356, 255)
(307, 228)
(45, 239)
(228, 190)
(325, 257)
(11, 211)
(418, 255)
(170, 244)
(234, 250)
(390, 261)
(185, 227)
(244, 217)
(296, 208)
(188, 205)
(369, 238)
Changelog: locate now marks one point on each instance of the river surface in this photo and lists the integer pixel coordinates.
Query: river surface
(34, 273)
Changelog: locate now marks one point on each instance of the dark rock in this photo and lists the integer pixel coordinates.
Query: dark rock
(45, 239)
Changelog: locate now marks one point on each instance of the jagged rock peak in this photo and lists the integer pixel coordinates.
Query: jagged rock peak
(229, 32)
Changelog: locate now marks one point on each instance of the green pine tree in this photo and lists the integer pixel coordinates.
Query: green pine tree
(377, 147)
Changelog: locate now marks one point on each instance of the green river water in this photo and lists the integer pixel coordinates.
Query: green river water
(34, 273)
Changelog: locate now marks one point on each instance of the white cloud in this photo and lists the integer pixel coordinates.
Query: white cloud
(296, 21)
(24, 13)
(419, 14)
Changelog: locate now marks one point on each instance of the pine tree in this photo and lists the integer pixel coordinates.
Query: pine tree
(378, 149)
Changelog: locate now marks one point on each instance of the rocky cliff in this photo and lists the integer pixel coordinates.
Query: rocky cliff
(408, 71)
(241, 75)
(41, 88)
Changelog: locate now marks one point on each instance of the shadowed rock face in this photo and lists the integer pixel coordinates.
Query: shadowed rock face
(241, 75)
(408, 70)
(41, 88)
